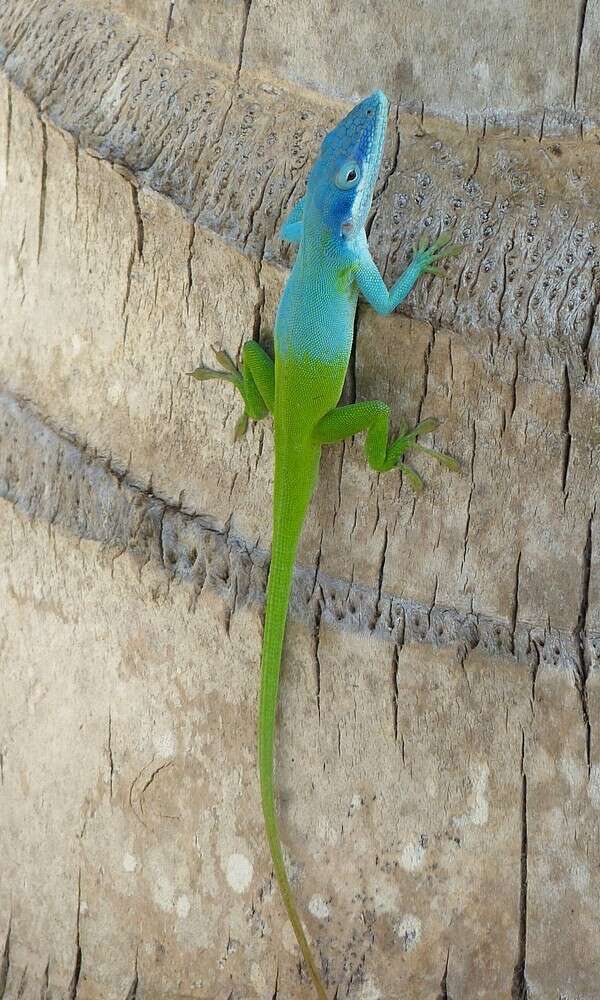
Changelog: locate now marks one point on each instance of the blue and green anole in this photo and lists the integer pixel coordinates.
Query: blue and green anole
(301, 389)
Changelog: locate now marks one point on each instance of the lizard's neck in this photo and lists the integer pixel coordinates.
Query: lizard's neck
(321, 247)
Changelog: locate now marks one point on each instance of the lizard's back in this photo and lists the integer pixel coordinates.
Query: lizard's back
(314, 328)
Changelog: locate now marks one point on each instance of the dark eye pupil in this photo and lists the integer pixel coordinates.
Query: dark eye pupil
(351, 175)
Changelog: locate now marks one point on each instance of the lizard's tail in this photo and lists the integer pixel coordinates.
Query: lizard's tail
(287, 525)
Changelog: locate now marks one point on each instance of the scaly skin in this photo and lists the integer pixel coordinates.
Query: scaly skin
(313, 338)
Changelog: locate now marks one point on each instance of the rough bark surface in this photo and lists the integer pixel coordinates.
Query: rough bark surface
(438, 763)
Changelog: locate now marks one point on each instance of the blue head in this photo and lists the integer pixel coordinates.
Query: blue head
(340, 186)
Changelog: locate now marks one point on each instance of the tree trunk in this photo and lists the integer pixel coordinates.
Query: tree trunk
(438, 762)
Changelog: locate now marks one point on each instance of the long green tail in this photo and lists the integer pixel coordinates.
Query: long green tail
(288, 517)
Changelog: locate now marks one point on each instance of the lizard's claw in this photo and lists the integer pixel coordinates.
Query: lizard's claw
(429, 255)
(241, 427)
(406, 441)
(426, 427)
(440, 456)
(224, 359)
(413, 477)
(228, 373)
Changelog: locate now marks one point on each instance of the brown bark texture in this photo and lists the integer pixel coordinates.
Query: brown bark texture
(438, 761)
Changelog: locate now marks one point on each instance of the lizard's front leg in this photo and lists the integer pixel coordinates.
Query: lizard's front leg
(255, 381)
(291, 231)
(382, 454)
(372, 286)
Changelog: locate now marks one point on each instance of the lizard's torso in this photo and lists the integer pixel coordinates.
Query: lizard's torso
(314, 329)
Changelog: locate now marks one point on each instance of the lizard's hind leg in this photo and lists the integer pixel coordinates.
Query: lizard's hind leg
(382, 454)
(254, 380)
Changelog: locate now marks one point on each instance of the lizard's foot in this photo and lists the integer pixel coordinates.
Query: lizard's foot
(408, 440)
(228, 373)
(429, 256)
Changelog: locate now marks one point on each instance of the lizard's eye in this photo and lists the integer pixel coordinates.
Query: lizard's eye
(348, 175)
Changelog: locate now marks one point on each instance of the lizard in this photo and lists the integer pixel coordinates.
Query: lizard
(302, 386)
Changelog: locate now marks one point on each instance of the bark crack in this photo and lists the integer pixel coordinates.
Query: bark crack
(76, 164)
(132, 991)
(8, 129)
(136, 253)
(254, 208)
(443, 994)
(111, 764)
(276, 990)
(469, 180)
(566, 428)
(43, 182)
(578, 48)
(380, 576)
(583, 665)
(259, 304)
(22, 985)
(515, 601)
(5, 960)
(139, 223)
(520, 990)
(44, 992)
(169, 20)
(395, 709)
(190, 275)
(470, 498)
(349, 390)
(74, 984)
(157, 770)
(316, 641)
(246, 15)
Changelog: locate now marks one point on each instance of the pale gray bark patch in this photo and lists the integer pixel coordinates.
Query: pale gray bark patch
(56, 479)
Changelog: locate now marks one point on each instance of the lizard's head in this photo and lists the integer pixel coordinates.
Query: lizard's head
(341, 182)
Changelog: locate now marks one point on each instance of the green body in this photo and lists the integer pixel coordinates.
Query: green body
(301, 389)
